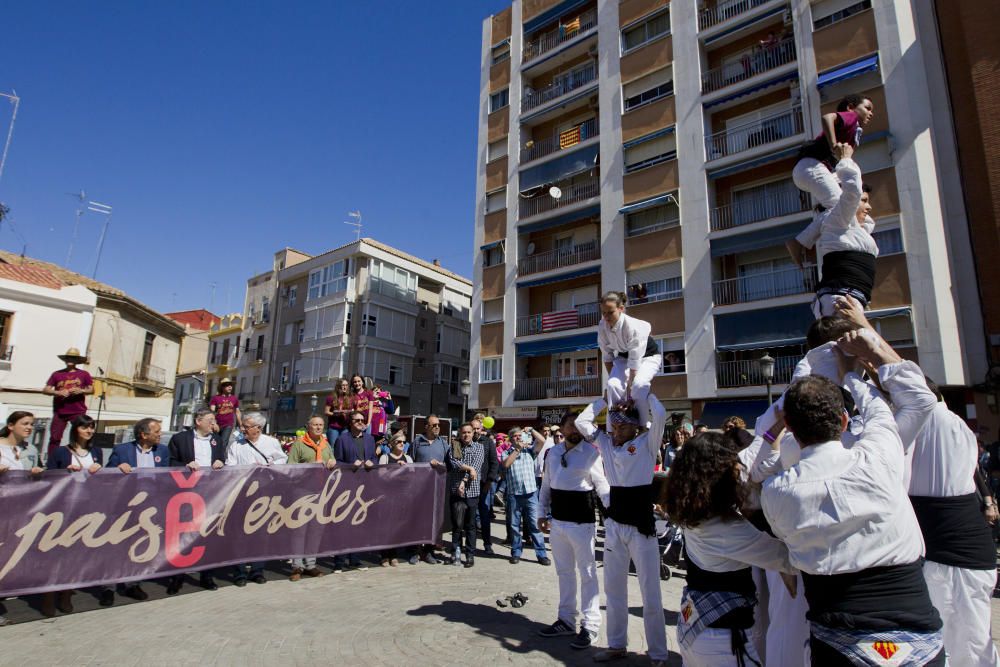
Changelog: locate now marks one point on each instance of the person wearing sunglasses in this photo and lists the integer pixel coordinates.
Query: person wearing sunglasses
(355, 447)
(573, 471)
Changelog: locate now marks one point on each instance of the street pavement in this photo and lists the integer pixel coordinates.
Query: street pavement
(402, 616)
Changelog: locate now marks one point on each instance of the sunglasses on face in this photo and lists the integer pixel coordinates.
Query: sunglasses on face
(358, 419)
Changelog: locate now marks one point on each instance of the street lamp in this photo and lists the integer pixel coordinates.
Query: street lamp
(767, 370)
(466, 386)
(313, 402)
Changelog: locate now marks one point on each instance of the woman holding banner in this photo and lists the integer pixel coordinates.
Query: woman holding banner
(13, 436)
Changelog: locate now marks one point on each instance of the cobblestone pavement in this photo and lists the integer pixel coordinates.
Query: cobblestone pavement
(408, 615)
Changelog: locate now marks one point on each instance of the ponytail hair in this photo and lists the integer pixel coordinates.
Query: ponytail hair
(617, 298)
(12, 419)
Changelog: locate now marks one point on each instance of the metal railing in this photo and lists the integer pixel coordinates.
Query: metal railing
(770, 285)
(571, 194)
(551, 39)
(587, 315)
(254, 354)
(766, 130)
(555, 259)
(751, 62)
(560, 141)
(531, 389)
(746, 372)
(6, 353)
(763, 202)
(558, 88)
(725, 11)
(151, 374)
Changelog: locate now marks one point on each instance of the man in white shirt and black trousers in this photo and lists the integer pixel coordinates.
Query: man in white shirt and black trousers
(630, 528)
(848, 524)
(573, 472)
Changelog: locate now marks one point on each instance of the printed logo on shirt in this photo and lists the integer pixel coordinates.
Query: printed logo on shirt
(886, 653)
(631, 450)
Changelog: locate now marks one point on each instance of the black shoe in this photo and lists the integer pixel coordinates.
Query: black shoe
(136, 593)
(488, 550)
(557, 629)
(583, 640)
(544, 561)
(258, 579)
(174, 586)
(106, 598)
(241, 582)
(514, 560)
(470, 560)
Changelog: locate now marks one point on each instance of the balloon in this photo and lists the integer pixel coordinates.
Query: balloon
(488, 422)
(301, 432)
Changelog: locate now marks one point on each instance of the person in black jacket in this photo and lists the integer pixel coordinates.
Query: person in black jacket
(489, 476)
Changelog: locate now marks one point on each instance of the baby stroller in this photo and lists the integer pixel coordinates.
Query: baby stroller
(670, 538)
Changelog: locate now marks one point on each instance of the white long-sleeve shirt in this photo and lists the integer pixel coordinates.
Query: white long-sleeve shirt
(838, 228)
(759, 461)
(629, 335)
(241, 453)
(632, 463)
(584, 471)
(944, 456)
(845, 510)
(719, 545)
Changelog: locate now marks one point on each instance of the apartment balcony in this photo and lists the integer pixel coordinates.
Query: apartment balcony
(762, 202)
(751, 62)
(559, 258)
(565, 140)
(571, 194)
(586, 315)
(534, 389)
(149, 376)
(556, 89)
(724, 11)
(747, 373)
(770, 285)
(782, 125)
(552, 39)
(261, 319)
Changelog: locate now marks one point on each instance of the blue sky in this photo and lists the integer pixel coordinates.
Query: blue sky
(223, 131)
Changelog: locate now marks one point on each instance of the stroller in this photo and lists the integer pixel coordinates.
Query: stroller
(670, 538)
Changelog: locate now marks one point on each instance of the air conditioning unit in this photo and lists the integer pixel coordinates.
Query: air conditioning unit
(787, 17)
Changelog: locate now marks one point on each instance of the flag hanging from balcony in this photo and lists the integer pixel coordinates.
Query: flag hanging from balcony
(569, 137)
(571, 27)
(561, 319)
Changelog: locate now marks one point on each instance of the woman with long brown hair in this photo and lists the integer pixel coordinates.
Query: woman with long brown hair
(20, 425)
(338, 404)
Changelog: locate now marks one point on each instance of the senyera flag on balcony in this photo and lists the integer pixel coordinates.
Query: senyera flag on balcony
(561, 319)
(72, 530)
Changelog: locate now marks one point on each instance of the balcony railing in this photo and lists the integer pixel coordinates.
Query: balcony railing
(725, 11)
(571, 194)
(767, 130)
(551, 39)
(559, 87)
(150, 374)
(560, 141)
(586, 315)
(746, 372)
(254, 354)
(762, 202)
(6, 352)
(531, 389)
(751, 63)
(783, 282)
(556, 259)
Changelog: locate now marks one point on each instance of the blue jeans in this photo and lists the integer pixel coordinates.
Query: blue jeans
(240, 572)
(527, 505)
(485, 513)
(331, 435)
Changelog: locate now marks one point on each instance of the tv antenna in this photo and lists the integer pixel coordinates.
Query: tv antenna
(356, 215)
(103, 209)
(16, 102)
(81, 196)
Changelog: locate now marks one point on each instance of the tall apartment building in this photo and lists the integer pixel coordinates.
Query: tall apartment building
(368, 308)
(647, 146)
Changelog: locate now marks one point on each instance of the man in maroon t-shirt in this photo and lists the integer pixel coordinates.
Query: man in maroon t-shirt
(226, 407)
(69, 389)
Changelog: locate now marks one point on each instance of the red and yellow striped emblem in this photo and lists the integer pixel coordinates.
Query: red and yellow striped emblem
(885, 649)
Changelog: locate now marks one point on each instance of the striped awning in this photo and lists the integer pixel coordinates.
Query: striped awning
(647, 203)
(562, 276)
(649, 137)
(788, 76)
(848, 71)
(576, 343)
(564, 219)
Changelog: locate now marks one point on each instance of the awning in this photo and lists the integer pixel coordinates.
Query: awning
(848, 71)
(586, 91)
(647, 203)
(564, 219)
(761, 345)
(551, 15)
(649, 137)
(788, 76)
(563, 276)
(751, 164)
(762, 238)
(562, 167)
(538, 348)
(782, 325)
(716, 412)
(491, 245)
(888, 312)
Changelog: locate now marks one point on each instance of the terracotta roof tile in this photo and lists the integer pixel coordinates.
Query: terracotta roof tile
(32, 275)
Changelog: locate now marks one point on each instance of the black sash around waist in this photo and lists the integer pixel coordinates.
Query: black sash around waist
(893, 597)
(573, 506)
(652, 350)
(737, 581)
(955, 531)
(849, 268)
(633, 506)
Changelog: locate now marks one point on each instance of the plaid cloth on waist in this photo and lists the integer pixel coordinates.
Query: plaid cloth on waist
(891, 648)
(699, 610)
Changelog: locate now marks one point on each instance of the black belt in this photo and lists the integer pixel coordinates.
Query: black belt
(652, 350)
(573, 506)
(850, 269)
(955, 532)
(633, 506)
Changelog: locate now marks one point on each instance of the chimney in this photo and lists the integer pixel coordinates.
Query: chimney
(437, 262)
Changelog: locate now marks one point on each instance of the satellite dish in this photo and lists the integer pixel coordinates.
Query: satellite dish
(531, 249)
(555, 192)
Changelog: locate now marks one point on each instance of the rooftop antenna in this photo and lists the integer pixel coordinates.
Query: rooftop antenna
(211, 301)
(16, 102)
(82, 197)
(357, 225)
(103, 209)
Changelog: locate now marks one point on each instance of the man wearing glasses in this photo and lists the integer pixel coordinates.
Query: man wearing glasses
(573, 470)
(433, 449)
(355, 447)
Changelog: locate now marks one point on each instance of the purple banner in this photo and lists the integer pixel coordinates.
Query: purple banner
(72, 530)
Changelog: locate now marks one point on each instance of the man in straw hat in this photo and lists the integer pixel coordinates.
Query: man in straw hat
(68, 388)
(226, 407)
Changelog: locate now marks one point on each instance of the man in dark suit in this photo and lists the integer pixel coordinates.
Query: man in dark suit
(355, 447)
(197, 448)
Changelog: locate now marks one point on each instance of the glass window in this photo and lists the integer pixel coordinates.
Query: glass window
(328, 280)
(496, 201)
(493, 310)
(648, 88)
(293, 293)
(652, 219)
(655, 283)
(648, 153)
(501, 52)
(889, 241)
(838, 16)
(493, 256)
(672, 354)
(491, 369)
(648, 30)
(496, 150)
(499, 100)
